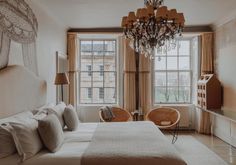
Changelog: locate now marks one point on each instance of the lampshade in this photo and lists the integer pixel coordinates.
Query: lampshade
(61, 78)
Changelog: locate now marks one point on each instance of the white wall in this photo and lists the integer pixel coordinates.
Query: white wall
(225, 63)
(51, 38)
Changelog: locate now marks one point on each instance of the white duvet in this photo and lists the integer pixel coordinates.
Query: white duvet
(70, 154)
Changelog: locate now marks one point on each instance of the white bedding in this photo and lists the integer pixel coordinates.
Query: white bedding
(70, 154)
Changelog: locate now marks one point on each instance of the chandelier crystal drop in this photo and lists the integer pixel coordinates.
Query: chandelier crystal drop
(153, 27)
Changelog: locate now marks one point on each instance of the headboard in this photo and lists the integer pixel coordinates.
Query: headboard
(20, 90)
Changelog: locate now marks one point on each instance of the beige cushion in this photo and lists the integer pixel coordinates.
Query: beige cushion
(7, 145)
(71, 118)
(58, 110)
(26, 138)
(51, 132)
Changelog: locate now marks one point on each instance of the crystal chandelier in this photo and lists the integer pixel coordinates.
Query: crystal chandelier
(153, 27)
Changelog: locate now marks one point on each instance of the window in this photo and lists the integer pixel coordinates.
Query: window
(89, 93)
(101, 93)
(89, 68)
(98, 71)
(101, 70)
(173, 74)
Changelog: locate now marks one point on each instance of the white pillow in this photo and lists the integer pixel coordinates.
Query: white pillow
(7, 145)
(26, 138)
(51, 132)
(71, 118)
(58, 110)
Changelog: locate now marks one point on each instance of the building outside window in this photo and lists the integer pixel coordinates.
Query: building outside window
(101, 78)
(89, 92)
(101, 70)
(89, 68)
(173, 72)
(101, 93)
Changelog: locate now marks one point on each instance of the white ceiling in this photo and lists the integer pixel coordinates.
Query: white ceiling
(108, 13)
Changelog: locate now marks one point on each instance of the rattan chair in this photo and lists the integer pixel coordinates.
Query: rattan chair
(121, 115)
(166, 118)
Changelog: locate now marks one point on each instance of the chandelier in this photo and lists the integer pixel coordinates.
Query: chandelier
(153, 27)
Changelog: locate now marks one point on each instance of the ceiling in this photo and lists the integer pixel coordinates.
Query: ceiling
(108, 13)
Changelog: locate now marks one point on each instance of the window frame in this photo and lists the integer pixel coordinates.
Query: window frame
(190, 71)
(115, 72)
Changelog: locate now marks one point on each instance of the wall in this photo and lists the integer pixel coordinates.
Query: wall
(225, 62)
(225, 65)
(51, 38)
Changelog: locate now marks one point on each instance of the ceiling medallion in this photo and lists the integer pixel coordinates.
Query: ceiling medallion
(153, 27)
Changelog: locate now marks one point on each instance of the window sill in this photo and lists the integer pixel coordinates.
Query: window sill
(96, 105)
(173, 104)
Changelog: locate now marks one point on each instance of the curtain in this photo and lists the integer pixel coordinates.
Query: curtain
(30, 57)
(145, 83)
(5, 43)
(129, 77)
(72, 58)
(207, 67)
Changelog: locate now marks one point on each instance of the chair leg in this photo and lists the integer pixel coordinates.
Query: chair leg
(175, 133)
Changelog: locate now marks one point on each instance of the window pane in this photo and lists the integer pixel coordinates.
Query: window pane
(184, 79)
(96, 98)
(97, 79)
(160, 63)
(184, 94)
(160, 95)
(85, 79)
(184, 48)
(172, 79)
(172, 94)
(110, 63)
(172, 51)
(85, 96)
(172, 63)
(86, 46)
(160, 52)
(110, 95)
(110, 46)
(97, 62)
(184, 63)
(98, 48)
(160, 79)
(109, 79)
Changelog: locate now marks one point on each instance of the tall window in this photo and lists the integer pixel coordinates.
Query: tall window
(101, 55)
(173, 74)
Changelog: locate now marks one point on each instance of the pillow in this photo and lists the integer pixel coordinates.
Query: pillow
(51, 132)
(7, 145)
(58, 110)
(26, 138)
(71, 118)
(43, 108)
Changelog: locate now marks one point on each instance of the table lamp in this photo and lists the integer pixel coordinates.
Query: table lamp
(61, 79)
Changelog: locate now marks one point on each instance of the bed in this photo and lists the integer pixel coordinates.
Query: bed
(139, 143)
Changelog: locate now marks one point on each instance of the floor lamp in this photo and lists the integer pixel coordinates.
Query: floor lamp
(61, 79)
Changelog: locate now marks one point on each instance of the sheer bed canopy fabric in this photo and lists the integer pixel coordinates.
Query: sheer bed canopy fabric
(18, 23)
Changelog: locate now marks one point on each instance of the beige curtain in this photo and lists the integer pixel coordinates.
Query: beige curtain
(129, 77)
(72, 57)
(207, 66)
(207, 58)
(145, 83)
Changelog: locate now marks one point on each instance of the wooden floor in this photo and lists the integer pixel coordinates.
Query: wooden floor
(222, 149)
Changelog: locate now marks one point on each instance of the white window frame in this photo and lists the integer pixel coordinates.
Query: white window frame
(116, 70)
(178, 71)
